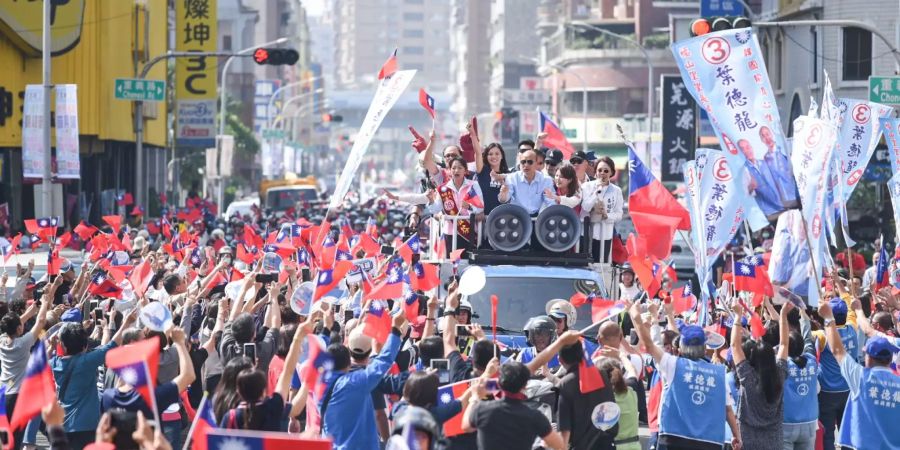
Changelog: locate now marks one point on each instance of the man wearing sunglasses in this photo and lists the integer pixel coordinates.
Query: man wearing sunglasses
(552, 161)
(580, 160)
(526, 187)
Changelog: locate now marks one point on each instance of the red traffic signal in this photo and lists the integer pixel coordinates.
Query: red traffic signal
(276, 56)
(699, 27)
(326, 117)
(704, 25)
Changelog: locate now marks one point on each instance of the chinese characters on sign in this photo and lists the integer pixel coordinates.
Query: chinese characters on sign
(32, 132)
(195, 31)
(724, 71)
(67, 160)
(679, 127)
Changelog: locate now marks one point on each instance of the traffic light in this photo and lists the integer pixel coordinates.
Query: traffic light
(276, 56)
(705, 25)
(329, 117)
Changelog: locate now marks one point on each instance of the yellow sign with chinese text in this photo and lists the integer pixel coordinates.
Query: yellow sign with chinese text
(195, 78)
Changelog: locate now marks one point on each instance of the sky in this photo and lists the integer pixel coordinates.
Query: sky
(314, 7)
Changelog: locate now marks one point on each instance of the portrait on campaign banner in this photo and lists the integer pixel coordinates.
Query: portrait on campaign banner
(725, 72)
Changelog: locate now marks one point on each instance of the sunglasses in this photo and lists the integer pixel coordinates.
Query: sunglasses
(604, 170)
(576, 160)
(527, 162)
(552, 164)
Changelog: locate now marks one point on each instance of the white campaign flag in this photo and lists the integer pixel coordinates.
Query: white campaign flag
(389, 91)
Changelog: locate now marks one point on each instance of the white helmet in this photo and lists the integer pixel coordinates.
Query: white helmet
(562, 309)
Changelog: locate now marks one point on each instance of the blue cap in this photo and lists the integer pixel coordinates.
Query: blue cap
(838, 306)
(880, 348)
(72, 315)
(692, 335)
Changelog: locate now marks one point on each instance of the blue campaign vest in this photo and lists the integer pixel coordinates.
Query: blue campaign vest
(829, 371)
(528, 354)
(871, 419)
(693, 406)
(801, 401)
(731, 384)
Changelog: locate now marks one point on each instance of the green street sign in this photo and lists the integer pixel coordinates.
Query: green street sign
(570, 133)
(884, 90)
(140, 90)
(272, 133)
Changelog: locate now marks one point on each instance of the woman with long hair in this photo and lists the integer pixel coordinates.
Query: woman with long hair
(491, 159)
(567, 191)
(617, 370)
(801, 402)
(226, 395)
(761, 375)
(603, 203)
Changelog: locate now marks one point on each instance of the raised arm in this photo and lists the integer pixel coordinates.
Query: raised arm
(428, 157)
(479, 159)
(568, 338)
(283, 385)
(186, 374)
(784, 331)
(737, 335)
(831, 334)
(643, 331)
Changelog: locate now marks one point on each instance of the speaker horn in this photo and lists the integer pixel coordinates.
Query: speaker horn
(558, 228)
(509, 227)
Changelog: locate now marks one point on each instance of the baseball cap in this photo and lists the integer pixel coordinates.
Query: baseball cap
(65, 265)
(578, 157)
(692, 335)
(879, 347)
(838, 306)
(554, 156)
(590, 156)
(360, 344)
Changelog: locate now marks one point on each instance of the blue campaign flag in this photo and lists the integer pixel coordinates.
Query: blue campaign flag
(814, 141)
(789, 264)
(714, 8)
(725, 72)
(894, 189)
(891, 129)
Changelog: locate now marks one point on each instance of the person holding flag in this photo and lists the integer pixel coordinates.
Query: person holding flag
(689, 418)
(452, 202)
(77, 393)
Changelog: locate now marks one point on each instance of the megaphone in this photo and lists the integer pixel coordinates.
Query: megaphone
(509, 227)
(558, 228)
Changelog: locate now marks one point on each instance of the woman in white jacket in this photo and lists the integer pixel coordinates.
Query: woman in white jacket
(602, 201)
(567, 191)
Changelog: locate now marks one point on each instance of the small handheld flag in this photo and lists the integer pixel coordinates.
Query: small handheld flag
(427, 102)
(389, 67)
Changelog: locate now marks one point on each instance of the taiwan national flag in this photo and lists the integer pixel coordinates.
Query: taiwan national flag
(600, 308)
(446, 395)
(555, 137)
(367, 244)
(44, 228)
(471, 197)
(389, 67)
(751, 276)
(377, 323)
(410, 304)
(410, 247)
(392, 286)
(4, 419)
(38, 388)
(427, 102)
(882, 277)
(85, 231)
(124, 199)
(328, 279)
(204, 422)
(646, 195)
(136, 364)
(222, 439)
(114, 222)
(683, 299)
(140, 277)
(318, 362)
(103, 286)
(371, 227)
(589, 378)
(424, 277)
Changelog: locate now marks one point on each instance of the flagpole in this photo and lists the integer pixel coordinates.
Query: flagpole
(152, 396)
(749, 242)
(812, 259)
(190, 434)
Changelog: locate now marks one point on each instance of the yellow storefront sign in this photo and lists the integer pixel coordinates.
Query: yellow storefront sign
(195, 78)
(22, 21)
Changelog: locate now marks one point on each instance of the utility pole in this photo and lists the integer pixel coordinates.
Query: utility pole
(46, 196)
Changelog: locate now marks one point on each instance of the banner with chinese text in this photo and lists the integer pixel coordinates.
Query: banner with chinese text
(68, 163)
(679, 128)
(195, 78)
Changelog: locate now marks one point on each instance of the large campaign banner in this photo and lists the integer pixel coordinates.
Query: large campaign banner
(789, 264)
(813, 145)
(33, 132)
(389, 91)
(725, 72)
(891, 129)
(68, 162)
(894, 189)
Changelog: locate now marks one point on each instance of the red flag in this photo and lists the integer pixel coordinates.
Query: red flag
(392, 286)
(471, 197)
(249, 257)
(410, 247)
(389, 67)
(204, 421)
(316, 362)
(218, 279)
(757, 329)
(424, 277)
(555, 137)
(647, 195)
(619, 251)
(219, 438)
(137, 364)
(377, 323)
(494, 302)
(683, 299)
(427, 102)
(64, 240)
(589, 378)
(446, 395)
(648, 273)
(236, 274)
(53, 262)
(44, 228)
(328, 279)
(4, 419)
(137, 211)
(14, 245)
(101, 285)
(115, 222)
(367, 244)
(37, 390)
(140, 277)
(85, 231)
(657, 230)
(600, 308)
(124, 199)
(411, 306)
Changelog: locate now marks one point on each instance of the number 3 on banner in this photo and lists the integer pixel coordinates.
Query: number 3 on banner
(716, 50)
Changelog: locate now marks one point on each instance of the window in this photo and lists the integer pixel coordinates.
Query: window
(776, 70)
(602, 103)
(857, 54)
(413, 33)
(814, 45)
(414, 16)
(226, 42)
(413, 51)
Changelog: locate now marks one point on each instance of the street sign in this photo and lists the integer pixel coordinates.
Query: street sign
(268, 133)
(884, 90)
(711, 8)
(140, 90)
(679, 127)
(570, 133)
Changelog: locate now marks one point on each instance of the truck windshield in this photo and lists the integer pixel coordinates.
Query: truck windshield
(522, 298)
(283, 199)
